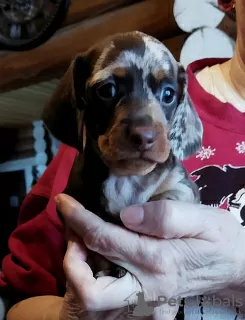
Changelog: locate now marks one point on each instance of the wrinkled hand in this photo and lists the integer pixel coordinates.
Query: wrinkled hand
(73, 305)
(174, 250)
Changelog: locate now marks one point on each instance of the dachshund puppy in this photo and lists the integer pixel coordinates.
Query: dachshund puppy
(131, 96)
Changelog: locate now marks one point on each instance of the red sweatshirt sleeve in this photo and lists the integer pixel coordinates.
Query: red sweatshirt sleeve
(37, 246)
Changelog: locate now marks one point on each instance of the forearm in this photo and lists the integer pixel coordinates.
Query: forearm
(37, 308)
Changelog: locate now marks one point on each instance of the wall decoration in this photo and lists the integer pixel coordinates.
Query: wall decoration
(26, 24)
(212, 33)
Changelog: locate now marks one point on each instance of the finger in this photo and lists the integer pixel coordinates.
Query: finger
(168, 219)
(75, 266)
(105, 238)
(96, 294)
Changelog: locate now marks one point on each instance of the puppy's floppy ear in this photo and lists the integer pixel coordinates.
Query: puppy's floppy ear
(63, 114)
(186, 129)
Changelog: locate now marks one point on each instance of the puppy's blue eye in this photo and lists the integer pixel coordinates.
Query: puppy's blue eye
(106, 91)
(167, 95)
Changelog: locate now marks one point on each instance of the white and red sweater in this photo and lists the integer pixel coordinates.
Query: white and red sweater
(219, 167)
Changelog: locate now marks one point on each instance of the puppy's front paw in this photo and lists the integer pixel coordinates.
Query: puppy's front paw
(103, 273)
(119, 272)
(116, 272)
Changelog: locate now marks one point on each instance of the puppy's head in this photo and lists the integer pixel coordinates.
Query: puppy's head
(132, 95)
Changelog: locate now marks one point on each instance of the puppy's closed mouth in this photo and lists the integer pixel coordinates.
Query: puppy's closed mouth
(119, 155)
(134, 163)
(118, 150)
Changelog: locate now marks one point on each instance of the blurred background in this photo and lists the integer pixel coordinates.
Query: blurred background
(38, 39)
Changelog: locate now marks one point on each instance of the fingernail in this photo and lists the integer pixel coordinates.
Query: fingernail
(133, 215)
(57, 200)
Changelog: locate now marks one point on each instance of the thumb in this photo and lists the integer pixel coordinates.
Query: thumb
(167, 219)
(76, 269)
(95, 294)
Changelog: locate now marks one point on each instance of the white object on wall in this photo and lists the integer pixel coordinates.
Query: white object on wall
(206, 43)
(194, 14)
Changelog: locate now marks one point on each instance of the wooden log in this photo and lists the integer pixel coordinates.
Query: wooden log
(80, 10)
(52, 58)
(175, 44)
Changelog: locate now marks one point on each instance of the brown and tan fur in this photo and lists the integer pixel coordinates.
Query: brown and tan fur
(135, 139)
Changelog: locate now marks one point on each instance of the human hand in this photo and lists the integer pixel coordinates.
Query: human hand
(182, 250)
(73, 307)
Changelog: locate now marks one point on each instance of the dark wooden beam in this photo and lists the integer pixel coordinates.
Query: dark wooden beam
(80, 10)
(51, 59)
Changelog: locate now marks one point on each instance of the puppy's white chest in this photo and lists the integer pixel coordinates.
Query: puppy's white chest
(121, 192)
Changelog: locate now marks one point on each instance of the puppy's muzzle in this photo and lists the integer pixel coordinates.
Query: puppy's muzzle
(142, 138)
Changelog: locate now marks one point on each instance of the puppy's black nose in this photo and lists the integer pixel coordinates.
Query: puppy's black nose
(143, 138)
